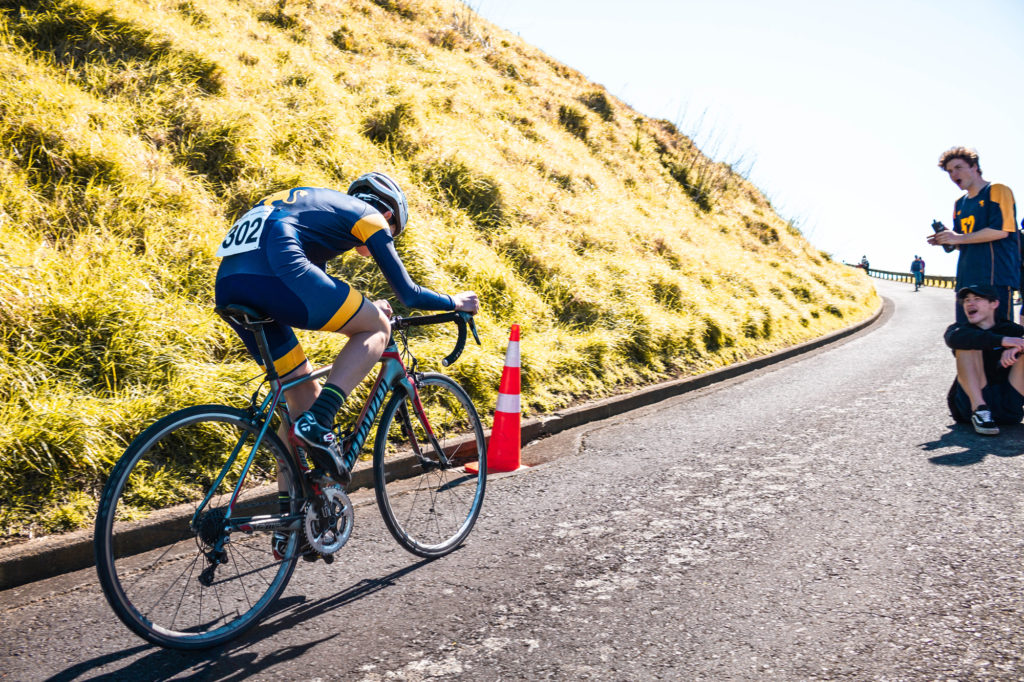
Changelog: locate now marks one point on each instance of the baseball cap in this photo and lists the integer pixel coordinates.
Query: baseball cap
(984, 290)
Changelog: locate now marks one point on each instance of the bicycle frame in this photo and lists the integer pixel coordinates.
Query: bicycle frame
(392, 376)
(205, 584)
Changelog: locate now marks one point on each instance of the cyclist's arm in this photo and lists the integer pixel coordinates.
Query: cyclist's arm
(410, 294)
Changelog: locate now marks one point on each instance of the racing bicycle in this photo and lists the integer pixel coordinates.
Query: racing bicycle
(206, 514)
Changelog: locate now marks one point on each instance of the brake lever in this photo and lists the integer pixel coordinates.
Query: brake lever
(468, 317)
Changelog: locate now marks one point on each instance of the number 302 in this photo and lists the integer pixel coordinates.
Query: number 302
(244, 232)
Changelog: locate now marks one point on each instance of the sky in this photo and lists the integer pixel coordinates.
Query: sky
(838, 111)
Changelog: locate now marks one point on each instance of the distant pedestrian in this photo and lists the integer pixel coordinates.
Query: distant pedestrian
(864, 263)
(989, 386)
(984, 230)
(917, 269)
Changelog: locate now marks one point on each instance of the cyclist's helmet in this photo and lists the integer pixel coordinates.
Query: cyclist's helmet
(385, 190)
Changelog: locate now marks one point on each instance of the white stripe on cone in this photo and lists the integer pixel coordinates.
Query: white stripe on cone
(508, 403)
(512, 354)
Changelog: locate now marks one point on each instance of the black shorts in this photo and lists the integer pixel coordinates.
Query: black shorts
(1003, 400)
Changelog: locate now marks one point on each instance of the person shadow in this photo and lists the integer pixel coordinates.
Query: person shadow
(973, 447)
(232, 661)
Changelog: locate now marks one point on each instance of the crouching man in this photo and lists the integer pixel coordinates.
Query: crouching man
(989, 369)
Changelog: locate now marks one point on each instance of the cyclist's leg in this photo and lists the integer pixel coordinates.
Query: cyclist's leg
(298, 294)
(367, 331)
(299, 398)
(325, 303)
(302, 396)
(266, 295)
(286, 352)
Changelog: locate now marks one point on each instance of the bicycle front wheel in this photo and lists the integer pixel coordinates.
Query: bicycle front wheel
(428, 501)
(172, 564)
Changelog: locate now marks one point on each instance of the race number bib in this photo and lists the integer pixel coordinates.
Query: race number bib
(244, 235)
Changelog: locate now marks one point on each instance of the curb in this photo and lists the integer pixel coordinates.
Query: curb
(56, 555)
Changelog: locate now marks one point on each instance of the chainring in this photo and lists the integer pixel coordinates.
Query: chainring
(328, 522)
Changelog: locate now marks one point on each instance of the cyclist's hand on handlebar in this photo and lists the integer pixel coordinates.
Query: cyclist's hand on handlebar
(467, 301)
(385, 307)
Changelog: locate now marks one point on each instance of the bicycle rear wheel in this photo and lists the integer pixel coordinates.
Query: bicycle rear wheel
(168, 567)
(428, 501)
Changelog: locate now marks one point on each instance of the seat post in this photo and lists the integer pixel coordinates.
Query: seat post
(254, 321)
(264, 346)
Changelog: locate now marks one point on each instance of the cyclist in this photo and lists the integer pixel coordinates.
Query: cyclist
(274, 260)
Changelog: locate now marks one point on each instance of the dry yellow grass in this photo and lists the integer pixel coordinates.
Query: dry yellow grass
(131, 133)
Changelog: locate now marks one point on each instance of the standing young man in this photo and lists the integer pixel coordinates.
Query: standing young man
(989, 369)
(984, 229)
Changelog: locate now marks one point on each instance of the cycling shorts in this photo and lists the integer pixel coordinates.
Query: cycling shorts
(280, 282)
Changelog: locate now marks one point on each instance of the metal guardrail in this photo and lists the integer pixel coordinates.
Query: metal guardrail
(941, 281)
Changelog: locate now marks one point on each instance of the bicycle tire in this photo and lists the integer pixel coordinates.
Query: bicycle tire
(154, 568)
(429, 509)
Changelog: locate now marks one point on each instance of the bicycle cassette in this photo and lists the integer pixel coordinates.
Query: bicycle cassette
(328, 522)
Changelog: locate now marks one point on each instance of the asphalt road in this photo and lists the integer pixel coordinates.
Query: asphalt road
(820, 519)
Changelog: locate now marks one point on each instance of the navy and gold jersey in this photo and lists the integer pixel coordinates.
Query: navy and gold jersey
(274, 260)
(285, 232)
(996, 262)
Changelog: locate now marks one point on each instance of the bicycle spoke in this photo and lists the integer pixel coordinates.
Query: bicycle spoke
(182, 461)
(428, 506)
(174, 618)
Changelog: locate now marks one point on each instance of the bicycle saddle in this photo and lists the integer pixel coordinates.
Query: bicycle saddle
(243, 315)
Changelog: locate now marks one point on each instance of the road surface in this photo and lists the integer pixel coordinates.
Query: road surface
(820, 519)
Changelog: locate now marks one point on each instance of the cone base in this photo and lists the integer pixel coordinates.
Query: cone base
(474, 469)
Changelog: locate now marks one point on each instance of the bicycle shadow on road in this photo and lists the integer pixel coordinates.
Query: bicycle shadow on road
(973, 447)
(231, 661)
(290, 612)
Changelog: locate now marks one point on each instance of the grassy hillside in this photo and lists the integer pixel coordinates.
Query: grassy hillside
(132, 132)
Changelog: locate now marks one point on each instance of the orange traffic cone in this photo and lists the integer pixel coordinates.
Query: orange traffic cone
(503, 447)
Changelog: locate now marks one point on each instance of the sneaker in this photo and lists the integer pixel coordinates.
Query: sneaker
(982, 420)
(323, 447)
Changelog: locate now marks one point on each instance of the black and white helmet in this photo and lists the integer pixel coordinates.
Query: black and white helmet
(385, 189)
